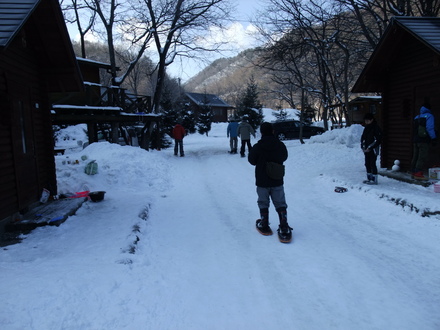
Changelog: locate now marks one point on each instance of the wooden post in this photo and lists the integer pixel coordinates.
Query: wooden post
(115, 132)
(91, 133)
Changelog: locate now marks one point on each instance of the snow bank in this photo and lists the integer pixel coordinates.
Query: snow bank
(348, 136)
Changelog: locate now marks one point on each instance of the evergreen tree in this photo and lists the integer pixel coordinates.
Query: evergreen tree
(204, 118)
(169, 113)
(250, 106)
(281, 115)
(188, 121)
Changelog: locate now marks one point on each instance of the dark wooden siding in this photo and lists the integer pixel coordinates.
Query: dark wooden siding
(412, 79)
(24, 174)
(8, 188)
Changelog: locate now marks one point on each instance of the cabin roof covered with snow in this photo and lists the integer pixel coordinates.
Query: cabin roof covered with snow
(207, 99)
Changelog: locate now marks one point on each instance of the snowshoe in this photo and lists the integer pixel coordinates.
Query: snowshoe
(285, 234)
(263, 230)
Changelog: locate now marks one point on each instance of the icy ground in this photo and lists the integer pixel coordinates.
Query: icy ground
(173, 245)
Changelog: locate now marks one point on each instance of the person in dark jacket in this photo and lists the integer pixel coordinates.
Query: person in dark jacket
(178, 134)
(232, 133)
(244, 131)
(370, 142)
(421, 144)
(269, 149)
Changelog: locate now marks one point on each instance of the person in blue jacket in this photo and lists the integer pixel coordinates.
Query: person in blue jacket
(232, 134)
(421, 143)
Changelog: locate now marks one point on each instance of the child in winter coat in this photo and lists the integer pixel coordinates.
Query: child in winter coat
(270, 149)
(370, 141)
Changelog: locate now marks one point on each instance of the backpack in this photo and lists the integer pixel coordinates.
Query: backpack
(275, 171)
(421, 127)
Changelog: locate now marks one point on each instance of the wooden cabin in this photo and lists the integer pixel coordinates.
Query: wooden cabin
(36, 58)
(405, 69)
(218, 107)
(362, 105)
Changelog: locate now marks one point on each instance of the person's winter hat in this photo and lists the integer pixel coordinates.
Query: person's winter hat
(266, 129)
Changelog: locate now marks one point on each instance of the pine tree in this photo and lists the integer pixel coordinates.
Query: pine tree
(204, 118)
(281, 115)
(169, 113)
(250, 106)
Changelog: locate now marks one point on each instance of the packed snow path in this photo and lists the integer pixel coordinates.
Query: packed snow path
(351, 265)
(183, 251)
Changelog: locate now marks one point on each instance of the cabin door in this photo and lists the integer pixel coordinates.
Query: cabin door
(23, 144)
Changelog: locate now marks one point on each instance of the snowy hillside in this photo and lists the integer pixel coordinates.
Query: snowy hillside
(173, 245)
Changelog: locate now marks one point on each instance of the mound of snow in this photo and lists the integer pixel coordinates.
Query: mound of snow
(349, 136)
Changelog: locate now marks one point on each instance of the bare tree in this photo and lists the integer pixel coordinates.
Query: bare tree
(174, 27)
(178, 28)
(321, 50)
(310, 42)
(373, 16)
(72, 13)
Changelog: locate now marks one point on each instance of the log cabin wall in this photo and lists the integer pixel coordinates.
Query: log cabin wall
(26, 142)
(413, 78)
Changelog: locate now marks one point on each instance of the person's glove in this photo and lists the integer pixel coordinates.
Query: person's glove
(434, 142)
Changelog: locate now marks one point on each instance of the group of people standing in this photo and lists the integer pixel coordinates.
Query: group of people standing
(423, 138)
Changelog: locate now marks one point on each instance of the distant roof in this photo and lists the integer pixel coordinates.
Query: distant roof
(424, 29)
(94, 63)
(366, 98)
(208, 99)
(13, 15)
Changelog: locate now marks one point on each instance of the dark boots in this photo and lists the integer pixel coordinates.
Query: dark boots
(282, 214)
(284, 231)
(371, 179)
(263, 223)
(264, 216)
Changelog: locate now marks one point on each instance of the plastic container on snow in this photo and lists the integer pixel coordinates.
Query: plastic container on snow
(97, 196)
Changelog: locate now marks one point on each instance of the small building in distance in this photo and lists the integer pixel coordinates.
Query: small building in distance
(218, 107)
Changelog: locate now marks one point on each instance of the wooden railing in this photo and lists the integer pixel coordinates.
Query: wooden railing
(97, 95)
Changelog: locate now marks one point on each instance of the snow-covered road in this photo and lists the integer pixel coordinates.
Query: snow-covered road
(178, 249)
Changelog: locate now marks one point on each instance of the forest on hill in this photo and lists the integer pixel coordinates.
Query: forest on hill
(229, 77)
